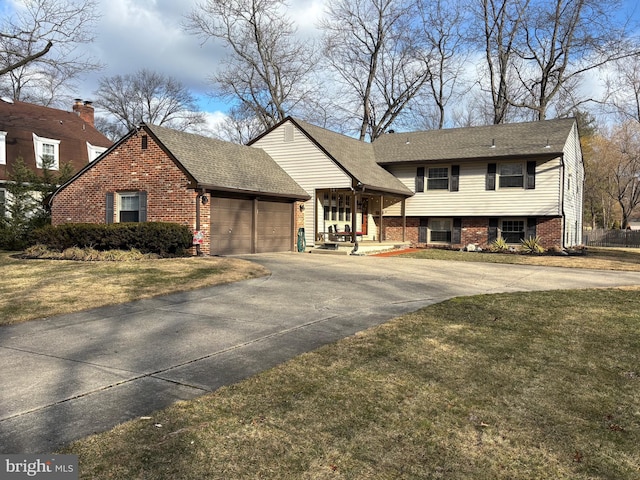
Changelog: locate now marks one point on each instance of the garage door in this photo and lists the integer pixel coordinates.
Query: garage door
(274, 227)
(232, 228)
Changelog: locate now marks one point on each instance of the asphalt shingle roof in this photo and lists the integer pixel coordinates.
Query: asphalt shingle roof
(229, 166)
(543, 138)
(355, 157)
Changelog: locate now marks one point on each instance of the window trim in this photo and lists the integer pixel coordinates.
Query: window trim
(3, 148)
(93, 151)
(512, 219)
(430, 229)
(38, 145)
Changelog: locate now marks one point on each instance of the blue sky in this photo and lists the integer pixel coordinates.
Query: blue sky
(135, 34)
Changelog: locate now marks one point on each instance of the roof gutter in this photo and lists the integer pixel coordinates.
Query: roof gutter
(216, 188)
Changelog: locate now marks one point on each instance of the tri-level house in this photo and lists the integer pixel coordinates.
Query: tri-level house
(444, 187)
(299, 181)
(44, 137)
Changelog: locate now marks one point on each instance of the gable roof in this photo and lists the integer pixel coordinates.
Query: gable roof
(355, 157)
(217, 164)
(545, 139)
(21, 120)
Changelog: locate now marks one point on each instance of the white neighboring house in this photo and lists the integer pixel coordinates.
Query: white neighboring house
(443, 187)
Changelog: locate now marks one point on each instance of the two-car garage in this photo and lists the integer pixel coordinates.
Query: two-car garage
(241, 225)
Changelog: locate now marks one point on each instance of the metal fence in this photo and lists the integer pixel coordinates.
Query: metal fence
(600, 237)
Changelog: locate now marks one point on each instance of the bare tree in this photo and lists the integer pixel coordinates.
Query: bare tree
(445, 54)
(624, 87)
(267, 69)
(620, 152)
(146, 96)
(562, 40)
(371, 45)
(38, 47)
(500, 25)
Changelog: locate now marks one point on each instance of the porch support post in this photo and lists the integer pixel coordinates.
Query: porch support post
(254, 227)
(380, 221)
(404, 220)
(354, 219)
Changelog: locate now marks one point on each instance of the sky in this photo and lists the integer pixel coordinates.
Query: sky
(136, 34)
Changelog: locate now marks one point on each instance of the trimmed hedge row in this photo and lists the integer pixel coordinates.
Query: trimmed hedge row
(165, 239)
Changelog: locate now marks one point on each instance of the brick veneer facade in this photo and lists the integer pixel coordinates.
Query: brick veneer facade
(474, 231)
(130, 168)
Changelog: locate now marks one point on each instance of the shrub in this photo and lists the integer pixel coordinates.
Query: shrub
(532, 245)
(164, 239)
(500, 245)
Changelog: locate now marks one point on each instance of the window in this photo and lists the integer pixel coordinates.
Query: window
(439, 230)
(3, 148)
(511, 175)
(127, 206)
(512, 231)
(94, 152)
(47, 152)
(438, 178)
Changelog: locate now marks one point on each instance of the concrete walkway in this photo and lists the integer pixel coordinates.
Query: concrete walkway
(69, 376)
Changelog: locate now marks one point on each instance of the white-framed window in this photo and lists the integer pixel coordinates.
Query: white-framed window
(513, 230)
(94, 152)
(3, 148)
(440, 230)
(438, 178)
(128, 207)
(47, 152)
(511, 175)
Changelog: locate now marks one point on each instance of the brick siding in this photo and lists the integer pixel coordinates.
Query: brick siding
(474, 230)
(129, 168)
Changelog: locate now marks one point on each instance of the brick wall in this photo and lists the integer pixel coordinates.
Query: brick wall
(130, 168)
(474, 230)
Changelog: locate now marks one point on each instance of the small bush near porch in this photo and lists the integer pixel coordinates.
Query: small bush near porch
(524, 386)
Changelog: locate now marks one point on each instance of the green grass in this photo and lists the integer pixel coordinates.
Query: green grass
(540, 385)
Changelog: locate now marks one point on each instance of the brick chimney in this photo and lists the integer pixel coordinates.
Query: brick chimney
(84, 110)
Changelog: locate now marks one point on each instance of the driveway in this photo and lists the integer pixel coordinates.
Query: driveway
(69, 376)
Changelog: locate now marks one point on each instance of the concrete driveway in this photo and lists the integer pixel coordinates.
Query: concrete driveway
(69, 376)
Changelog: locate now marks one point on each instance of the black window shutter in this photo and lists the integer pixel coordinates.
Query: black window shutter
(142, 197)
(491, 177)
(531, 175)
(492, 235)
(422, 231)
(454, 185)
(456, 233)
(109, 202)
(420, 179)
(532, 223)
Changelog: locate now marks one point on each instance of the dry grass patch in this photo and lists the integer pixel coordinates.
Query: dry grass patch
(596, 258)
(32, 289)
(540, 385)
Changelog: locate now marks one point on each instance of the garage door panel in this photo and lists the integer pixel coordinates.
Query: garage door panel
(274, 227)
(231, 226)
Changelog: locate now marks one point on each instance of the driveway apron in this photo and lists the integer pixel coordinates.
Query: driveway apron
(66, 377)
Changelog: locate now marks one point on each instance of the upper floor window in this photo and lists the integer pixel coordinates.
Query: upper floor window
(94, 152)
(511, 175)
(438, 178)
(3, 148)
(47, 152)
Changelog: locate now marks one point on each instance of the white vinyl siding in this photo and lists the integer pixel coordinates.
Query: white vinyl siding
(309, 166)
(3, 148)
(573, 190)
(472, 198)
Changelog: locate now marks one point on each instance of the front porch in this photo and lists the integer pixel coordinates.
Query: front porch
(365, 247)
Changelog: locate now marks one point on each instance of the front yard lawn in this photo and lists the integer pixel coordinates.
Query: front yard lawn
(524, 386)
(32, 289)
